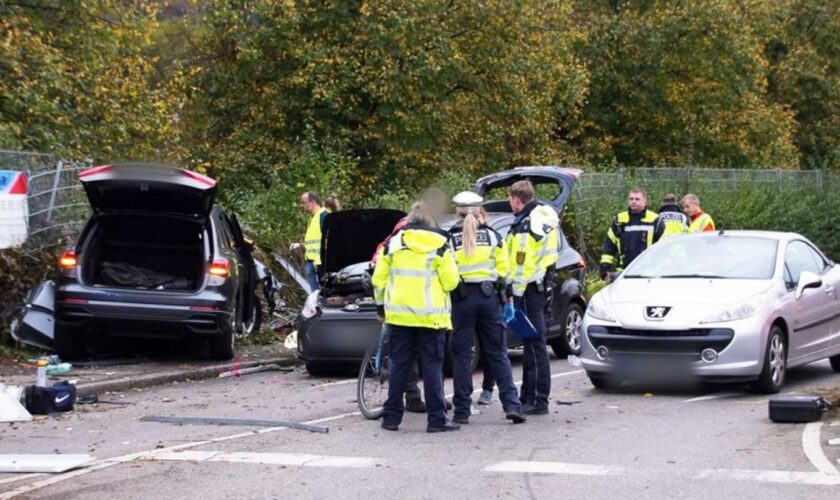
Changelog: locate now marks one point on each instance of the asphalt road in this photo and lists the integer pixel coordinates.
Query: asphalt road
(630, 443)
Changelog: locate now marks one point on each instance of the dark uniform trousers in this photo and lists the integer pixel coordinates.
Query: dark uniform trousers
(536, 374)
(478, 313)
(402, 344)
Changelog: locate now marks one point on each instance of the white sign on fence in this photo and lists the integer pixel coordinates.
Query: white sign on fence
(14, 210)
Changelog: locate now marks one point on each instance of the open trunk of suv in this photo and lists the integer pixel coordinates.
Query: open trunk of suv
(145, 252)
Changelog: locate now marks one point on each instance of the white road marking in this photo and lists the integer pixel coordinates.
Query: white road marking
(834, 442)
(773, 476)
(836, 423)
(555, 468)
(20, 477)
(767, 476)
(813, 449)
(710, 397)
(288, 459)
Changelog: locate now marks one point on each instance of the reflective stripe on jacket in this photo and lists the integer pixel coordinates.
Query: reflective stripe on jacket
(413, 278)
(488, 262)
(532, 246)
(629, 235)
(702, 222)
(312, 240)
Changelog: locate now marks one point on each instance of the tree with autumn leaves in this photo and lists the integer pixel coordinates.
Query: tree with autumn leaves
(386, 97)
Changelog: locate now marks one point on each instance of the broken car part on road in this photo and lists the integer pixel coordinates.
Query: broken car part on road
(236, 421)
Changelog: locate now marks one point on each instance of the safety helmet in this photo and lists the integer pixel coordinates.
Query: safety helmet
(467, 199)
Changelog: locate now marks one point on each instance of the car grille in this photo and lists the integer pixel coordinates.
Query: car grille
(622, 341)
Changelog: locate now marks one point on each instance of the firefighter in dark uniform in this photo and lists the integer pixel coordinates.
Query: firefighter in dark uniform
(630, 234)
(477, 308)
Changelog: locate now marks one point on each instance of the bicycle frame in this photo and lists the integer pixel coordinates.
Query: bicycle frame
(383, 334)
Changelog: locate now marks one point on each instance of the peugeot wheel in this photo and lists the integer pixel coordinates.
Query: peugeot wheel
(772, 376)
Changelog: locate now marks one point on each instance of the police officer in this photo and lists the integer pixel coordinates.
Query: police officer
(671, 218)
(532, 246)
(311, 203)
(630, 233)
(412, 281)
(477, 307)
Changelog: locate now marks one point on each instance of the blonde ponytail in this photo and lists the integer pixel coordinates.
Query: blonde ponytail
(470, 229)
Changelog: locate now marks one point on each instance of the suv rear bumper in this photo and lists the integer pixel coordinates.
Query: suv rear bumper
(144, 315)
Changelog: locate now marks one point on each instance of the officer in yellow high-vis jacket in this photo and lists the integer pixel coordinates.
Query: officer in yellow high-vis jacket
(533, 246)
(412, 281)
(477, 308)
(311, 203)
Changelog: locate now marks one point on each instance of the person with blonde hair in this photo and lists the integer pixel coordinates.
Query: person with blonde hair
(477, 308)
(412, 280)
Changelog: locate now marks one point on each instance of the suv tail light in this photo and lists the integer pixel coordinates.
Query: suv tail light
(220, 268)
(68, 260)
(67, 263)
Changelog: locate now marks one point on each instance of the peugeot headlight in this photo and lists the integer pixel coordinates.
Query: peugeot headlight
(738, 311)
(598, 309)
(310, 307)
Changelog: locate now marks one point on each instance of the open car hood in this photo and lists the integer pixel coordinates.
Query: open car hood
(140, 187)
(351, 236)
(562, 179)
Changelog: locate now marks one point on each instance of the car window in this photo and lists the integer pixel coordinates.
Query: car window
(720, 257)
(801, 257)
(225, 232)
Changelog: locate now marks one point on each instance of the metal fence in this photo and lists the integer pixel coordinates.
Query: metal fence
(597, 196)
(57, 204)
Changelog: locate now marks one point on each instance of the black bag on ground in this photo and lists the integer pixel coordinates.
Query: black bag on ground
(65, 395)
(45, 400)
(797, 409)
(39, 400)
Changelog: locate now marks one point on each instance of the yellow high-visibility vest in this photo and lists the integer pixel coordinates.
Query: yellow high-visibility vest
(312, 239)
(413, 278)
(489, 260)
(702, 223)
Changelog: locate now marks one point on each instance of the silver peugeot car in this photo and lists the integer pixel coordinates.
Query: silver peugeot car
(734, 306)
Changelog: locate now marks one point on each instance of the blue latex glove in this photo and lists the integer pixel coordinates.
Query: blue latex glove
(508, 312)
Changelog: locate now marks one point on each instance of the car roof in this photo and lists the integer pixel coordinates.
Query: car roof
(752, 233)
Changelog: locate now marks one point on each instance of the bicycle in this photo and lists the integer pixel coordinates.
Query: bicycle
(372, 386)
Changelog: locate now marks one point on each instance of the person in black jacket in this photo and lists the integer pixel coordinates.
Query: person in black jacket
(630, 233)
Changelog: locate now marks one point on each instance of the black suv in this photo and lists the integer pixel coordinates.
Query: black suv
(157, 259)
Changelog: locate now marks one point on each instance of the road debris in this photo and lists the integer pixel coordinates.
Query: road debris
(235, 372)
(236, 421)
(10, 408)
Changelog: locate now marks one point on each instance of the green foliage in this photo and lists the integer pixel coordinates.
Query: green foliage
(76, 79)
(678, 83)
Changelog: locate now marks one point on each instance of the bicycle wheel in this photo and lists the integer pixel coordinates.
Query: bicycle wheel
(372, 386)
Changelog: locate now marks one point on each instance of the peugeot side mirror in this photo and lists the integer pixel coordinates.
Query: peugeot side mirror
(807, 280)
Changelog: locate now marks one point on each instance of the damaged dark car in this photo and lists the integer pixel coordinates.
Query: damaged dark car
(157, 259)
(340, 322)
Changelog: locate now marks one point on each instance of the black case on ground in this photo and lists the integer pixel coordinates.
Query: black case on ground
(797, 409)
